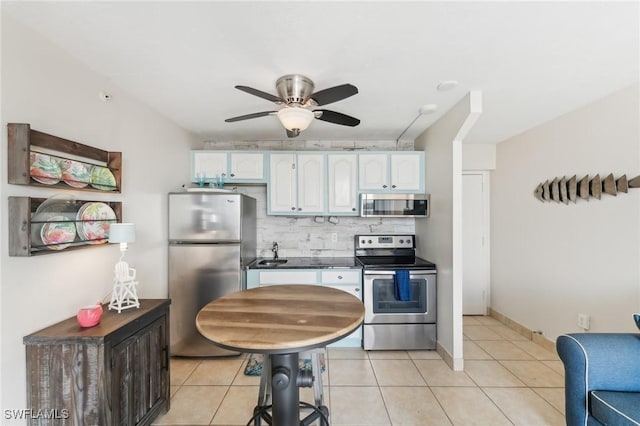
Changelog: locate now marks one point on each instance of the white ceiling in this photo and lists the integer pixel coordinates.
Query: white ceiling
(533, 61)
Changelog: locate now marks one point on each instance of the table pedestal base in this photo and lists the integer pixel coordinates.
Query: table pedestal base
(285, 410)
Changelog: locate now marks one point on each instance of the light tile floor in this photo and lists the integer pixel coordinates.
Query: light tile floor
(508, 380)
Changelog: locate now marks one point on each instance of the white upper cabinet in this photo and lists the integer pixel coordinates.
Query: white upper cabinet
(282, 183)
(296, 184)
(401, 171)
(373, 172)
(246, 166)
(318, 184)
(342, 179)
(237, 166)
(210, 163)
(310, 183)
(407, 172)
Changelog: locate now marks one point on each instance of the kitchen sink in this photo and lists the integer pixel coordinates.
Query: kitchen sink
(272, 262)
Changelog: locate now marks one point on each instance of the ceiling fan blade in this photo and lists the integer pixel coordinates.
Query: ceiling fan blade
(260, 94)
(334, 94)
(292, 133)
(336, 117)
(248, 116)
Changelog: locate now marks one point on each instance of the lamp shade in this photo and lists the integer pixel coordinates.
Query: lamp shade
(295, 118)
(122, 233)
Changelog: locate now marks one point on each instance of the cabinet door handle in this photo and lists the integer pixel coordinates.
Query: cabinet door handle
(339, 277)
(357, 290)
(299, 208)
(293, 208)
(233, 175)
(393, 186)
(384, 186)
(165, 357)
(353, 209)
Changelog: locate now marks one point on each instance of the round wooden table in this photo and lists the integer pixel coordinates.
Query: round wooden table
(281, 321)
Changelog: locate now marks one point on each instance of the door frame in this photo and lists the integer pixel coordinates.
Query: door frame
(486, 232)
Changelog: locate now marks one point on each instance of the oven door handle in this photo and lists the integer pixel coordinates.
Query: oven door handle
(412, 272)
(378, 272)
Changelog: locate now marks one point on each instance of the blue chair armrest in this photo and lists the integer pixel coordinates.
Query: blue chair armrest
(602, 361)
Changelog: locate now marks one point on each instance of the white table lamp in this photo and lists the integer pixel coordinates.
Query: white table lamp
(124, 295)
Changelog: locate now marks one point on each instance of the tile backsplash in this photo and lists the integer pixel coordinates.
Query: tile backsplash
(304, 236)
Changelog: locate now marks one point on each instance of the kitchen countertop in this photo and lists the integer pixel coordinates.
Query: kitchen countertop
(308, 262)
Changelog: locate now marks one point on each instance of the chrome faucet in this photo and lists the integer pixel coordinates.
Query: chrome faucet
(274, 249)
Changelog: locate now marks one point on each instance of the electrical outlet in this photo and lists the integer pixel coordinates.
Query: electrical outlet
(583, 321)
(334, 237)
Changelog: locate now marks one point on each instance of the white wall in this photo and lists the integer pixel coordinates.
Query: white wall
(439, 237)
(551, 261)
(43, 86)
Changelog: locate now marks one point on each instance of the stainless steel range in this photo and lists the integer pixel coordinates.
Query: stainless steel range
(399, 293)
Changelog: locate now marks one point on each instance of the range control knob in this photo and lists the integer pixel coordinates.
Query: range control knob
(408, 241)
(369, 241)
(401, 241)
(362, 242)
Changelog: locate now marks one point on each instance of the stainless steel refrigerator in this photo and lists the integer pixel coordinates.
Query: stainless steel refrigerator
(212, 236)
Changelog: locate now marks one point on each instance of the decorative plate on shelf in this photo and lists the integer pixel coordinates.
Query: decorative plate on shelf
(57, 232)
(75, 173)
(102, 178)
(44, 168)
(94, 220)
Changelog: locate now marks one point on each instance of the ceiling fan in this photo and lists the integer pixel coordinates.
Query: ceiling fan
(298, 98)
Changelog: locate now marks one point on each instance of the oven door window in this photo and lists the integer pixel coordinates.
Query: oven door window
(385, 302)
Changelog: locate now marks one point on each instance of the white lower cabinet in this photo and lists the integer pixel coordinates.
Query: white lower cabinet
(349, 280)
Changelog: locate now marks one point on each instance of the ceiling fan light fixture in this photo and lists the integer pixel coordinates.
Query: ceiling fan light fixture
(295, 118)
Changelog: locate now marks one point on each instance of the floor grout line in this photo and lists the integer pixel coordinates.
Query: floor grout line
(380, 360)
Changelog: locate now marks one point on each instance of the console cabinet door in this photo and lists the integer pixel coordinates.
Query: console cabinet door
(342, 175)
(139, 374)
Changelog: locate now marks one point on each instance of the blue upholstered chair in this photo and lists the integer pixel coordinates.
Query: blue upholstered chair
(602, 377)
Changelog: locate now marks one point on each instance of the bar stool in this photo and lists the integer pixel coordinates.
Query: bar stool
(264, 394)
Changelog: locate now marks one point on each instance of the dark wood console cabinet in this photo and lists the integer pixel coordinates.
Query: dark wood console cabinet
(116, 373)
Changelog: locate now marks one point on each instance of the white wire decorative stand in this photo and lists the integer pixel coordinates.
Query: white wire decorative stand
(124, 295)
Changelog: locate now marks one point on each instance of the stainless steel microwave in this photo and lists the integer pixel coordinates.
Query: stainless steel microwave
(395, 205)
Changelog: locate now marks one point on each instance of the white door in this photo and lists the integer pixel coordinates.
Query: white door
(405, 172)
(248, 165)
(343, 197)
(373, 172)
(475, 268)
(311, 183)
(282, 183)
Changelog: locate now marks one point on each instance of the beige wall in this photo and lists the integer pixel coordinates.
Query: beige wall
(478, 156)
(43, 86)
(439, 237)
(552, 261)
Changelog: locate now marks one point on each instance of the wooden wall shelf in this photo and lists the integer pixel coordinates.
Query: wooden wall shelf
(25, 226)
(22, 141)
